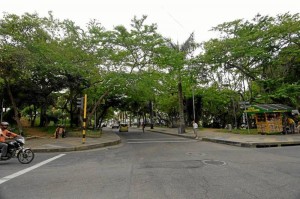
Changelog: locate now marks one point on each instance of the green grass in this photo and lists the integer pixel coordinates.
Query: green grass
(246, 132)
(71, 132)
(235, 131)
(88, 133)
(240, 131)
(49, 129)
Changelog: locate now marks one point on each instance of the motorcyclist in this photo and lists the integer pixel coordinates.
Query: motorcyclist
(4, 133)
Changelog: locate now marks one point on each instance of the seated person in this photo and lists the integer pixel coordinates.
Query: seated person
(60, 131)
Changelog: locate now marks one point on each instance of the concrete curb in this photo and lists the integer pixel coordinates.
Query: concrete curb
(76, 148)
(247, 144)
(229, 142)
(178, 135)
(253, 144)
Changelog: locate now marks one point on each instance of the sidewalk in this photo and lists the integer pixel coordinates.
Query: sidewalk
(48, 144)
(252, 141)
(109, 138)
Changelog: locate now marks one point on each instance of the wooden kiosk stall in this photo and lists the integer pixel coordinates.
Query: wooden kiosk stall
(269, 117)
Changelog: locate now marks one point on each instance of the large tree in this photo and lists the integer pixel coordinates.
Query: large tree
(180, 59)
(260, 51)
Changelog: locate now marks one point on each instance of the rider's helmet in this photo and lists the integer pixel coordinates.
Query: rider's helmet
(4, 125)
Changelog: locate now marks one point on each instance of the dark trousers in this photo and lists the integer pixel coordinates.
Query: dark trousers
(3, 147)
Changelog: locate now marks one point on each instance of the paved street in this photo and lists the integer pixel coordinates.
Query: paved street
(154, 165)
(108, 138)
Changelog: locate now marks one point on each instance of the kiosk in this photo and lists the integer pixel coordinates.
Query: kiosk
(269, 118)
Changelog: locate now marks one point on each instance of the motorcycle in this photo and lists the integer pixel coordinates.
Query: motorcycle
(16, 149)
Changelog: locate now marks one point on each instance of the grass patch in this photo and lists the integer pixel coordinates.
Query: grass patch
(49, 132)
(88, 133)
(240, 131)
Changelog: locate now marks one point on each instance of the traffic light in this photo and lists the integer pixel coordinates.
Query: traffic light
(79, 102)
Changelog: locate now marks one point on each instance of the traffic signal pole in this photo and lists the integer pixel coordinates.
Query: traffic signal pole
(84, 119)
(79, 102)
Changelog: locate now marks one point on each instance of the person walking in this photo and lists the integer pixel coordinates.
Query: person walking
(195, 129)
(143, 127)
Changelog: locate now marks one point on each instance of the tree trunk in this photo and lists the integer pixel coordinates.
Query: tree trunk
(15, 108)
(33, 118)
(181, 128)
(43, 117)
(90, 115)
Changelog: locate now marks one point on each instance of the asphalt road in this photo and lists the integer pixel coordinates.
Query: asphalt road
(156, 166)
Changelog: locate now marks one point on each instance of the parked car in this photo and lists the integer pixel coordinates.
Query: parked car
(115, 126)
(123, 127)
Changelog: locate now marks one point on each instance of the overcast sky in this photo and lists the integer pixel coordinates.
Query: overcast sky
(176, 19)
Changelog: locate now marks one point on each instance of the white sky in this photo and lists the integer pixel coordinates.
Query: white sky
(176, 19)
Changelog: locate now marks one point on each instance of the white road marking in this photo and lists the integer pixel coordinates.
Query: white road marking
(149, 142)
(9, 177)
(138, 139)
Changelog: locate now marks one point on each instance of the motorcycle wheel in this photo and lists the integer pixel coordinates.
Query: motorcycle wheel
(26, 156)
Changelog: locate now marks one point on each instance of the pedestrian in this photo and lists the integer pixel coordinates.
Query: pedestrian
(291, 124)
(4, 133)
(60, 131)
(143, 127)
(195, 129)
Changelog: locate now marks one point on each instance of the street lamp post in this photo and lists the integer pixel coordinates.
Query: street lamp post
(234, 112)
(2, 106)
(151, 114)
(244, 104)
(193, 94)
(194, 112)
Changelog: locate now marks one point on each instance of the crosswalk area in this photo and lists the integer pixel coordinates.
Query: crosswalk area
(159, 140)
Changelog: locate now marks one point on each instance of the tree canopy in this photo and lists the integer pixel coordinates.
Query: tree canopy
(46, 64)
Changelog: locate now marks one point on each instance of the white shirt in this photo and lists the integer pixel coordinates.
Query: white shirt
(195, 125)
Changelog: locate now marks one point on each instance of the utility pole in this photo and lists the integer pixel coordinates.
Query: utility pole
(194, 112)
(84, 119)
(2, 106)
(81, 103)
(151, 114)
(234, 113)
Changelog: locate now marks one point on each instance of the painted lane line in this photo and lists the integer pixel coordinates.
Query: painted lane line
(149, 142)
(147, 139)
(9, 177)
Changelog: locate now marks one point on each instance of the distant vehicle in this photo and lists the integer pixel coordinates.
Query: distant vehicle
(244, 126)
(123, 127)
(115, 126)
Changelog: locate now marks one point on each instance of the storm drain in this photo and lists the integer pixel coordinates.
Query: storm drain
(214, 162)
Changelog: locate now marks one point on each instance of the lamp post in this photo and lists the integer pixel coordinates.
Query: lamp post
(194, 112)
(234, 112)
(151, 114)
(193, 95)
(2, 106)
(244, 104)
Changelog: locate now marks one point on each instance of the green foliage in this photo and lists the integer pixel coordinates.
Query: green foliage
(47, 64)
(265, 50)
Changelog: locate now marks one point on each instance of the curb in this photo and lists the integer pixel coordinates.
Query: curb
(253, 144)
(228, 142)
(76, 148)
(237, 143)
(178, 135)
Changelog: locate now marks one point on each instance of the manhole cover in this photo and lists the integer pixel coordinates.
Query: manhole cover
(195, 153)
(214, 162)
